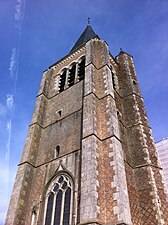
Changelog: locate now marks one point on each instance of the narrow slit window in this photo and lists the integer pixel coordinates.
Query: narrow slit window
(62, 81)
(71, 76)
(81, 70)
(57, 150)
(60, 112)
(113, 80)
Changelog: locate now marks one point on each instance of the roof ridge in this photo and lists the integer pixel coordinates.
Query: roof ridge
(87, 34)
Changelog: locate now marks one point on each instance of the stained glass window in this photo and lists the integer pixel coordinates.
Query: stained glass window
(58, 208)
(58, 201)
(67, 206)
(49, 209)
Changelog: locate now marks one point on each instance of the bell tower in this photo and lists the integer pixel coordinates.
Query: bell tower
(89, 156)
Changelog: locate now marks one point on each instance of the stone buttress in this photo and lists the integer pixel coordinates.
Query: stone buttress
(104, 194)
(99, 124)
(146, 190)
(56, 121)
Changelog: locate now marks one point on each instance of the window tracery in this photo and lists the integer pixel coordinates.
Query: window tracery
(58, 208)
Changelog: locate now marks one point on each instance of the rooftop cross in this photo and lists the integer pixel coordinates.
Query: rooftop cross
(88, 20)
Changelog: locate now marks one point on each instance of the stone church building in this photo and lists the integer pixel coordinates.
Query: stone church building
(89, 156)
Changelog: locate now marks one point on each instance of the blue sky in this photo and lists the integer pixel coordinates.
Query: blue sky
(35, 34)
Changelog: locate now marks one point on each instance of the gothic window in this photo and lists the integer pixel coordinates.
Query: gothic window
(71, 76)
(62, 81)
(81, 69)
(58, 208)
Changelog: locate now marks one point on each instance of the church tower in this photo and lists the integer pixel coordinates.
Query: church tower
(89, 156)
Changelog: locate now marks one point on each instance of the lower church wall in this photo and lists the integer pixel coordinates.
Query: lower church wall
(33, 193)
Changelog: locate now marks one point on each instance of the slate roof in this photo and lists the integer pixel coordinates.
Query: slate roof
(87, 34)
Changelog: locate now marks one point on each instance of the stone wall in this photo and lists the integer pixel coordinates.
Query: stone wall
(56, 121)
(106, 146)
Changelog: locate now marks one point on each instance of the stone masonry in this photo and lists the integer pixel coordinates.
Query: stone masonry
(106, 145)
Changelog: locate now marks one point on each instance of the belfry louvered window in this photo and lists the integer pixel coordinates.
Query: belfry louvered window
(62, 81)
(81, 69)
(58, 209)
(71, 75)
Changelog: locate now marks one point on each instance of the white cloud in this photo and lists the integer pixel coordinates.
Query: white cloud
(9, 101)
(9, 128)
(5, 189)
(2, 109)
(13, 63)
(4, 174)
(19, 12)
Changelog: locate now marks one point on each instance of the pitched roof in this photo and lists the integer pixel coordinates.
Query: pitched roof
(122, 52)
(87, 34)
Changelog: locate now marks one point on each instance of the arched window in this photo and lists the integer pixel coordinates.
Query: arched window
(71, 75)
(62, 81)
(57, 151)
(58, 206)
(81, 69)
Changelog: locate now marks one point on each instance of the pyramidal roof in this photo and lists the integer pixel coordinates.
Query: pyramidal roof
(87, 34)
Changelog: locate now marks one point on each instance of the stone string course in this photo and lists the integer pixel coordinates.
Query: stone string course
(106, 146)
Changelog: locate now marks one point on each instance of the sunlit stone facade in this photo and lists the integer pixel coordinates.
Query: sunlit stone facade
(89, 156)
